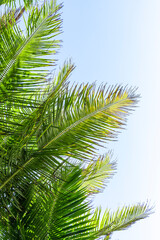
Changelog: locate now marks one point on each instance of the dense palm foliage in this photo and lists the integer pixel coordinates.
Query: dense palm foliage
(49, 135)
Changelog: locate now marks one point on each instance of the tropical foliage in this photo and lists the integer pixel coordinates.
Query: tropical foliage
(49, 134)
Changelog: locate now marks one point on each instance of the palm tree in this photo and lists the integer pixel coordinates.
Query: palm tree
(50, 131)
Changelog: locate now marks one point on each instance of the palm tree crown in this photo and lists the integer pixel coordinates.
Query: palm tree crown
(50, 131)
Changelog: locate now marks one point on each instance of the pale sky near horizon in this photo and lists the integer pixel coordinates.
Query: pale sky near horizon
(118, 41)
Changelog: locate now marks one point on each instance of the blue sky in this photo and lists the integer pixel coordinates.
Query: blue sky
(118, 41)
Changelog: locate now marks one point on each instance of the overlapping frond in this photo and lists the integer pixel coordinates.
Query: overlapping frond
(59, 209)
(71, 125)
(60, 212)
(24, 122)
(25, 60)
(24, 55)
(19, 149)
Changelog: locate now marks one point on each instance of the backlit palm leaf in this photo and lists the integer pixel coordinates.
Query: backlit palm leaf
(120, 219)
(97, 173)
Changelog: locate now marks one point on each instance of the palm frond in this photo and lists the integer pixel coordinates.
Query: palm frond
(97, 173)
(120, 219)
(84, 120)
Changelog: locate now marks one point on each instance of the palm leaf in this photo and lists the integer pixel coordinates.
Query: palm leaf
(97, 173)
(119, 220)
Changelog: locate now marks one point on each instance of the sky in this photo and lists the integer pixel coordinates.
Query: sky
(118, 42)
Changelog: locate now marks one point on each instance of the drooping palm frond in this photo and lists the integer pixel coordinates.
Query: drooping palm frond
(119, 220)
(97, 173)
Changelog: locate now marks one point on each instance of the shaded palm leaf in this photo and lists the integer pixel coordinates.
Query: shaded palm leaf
(14, 153)
(59, 212)
(22, 58)
(20, 53)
